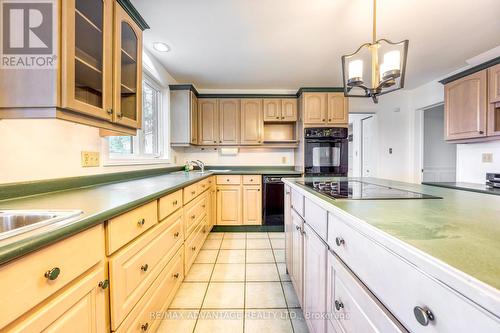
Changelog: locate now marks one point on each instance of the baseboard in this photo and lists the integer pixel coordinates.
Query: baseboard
(248, 228)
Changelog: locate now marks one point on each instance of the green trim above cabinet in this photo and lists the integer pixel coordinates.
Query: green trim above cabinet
(471, 70)
(134, 14)
(296, 95)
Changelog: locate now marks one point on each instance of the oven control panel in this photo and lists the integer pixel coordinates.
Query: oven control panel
(326, 132)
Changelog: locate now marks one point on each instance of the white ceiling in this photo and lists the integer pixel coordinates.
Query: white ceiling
(286, 44)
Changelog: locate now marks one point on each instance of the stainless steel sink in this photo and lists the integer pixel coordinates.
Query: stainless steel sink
(15, 222)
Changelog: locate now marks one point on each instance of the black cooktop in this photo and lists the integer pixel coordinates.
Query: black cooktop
(360, 190)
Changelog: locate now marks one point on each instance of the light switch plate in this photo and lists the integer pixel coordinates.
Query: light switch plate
(284, 160)
(487, 158)
(90, 159)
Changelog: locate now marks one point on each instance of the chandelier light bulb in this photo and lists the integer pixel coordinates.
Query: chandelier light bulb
(355, 69)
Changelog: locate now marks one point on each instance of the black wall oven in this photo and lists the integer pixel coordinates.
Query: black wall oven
(326, 151)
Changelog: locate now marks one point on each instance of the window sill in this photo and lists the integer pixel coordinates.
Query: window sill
(136, 162)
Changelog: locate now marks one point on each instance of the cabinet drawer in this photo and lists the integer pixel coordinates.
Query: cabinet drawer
(204, 185)
(351, 307)
(316, 217)
(124, 228)
(252, 180)
(193, 244)
(194, 212)
(134, 268)
(24, 284)
(190, 192)
(169, 204)
(157, 298)
(80, 308)
(229, 179)
(401, 286)
(298, 203)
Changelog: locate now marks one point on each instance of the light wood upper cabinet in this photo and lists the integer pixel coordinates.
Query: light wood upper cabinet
(194, 119)
(289, 109)
(87, 62)
(252, 205)
(315, 108)
(208, 115)
(494, 83)
(228, 204)
(272, 109)
(127, 70)
(337, 109)
(229, 121)
(251, 121)
(466, 107)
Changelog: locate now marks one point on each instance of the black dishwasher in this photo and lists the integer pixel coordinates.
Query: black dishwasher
(273, 199)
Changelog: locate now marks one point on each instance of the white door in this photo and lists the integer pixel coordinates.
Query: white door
(440, 157)
(367, 147)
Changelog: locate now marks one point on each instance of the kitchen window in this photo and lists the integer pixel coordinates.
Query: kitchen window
(149, 145)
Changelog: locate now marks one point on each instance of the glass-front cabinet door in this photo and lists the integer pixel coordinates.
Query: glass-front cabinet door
(86, 85)
(127, 70)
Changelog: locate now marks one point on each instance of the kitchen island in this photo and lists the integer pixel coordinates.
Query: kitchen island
(436, 255)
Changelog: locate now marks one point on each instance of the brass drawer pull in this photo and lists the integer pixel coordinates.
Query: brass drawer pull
(53, 273)
(193, 248)
(144, 327)
(141, 222)
(144, 267)
(175, 276)
(193, 192)
(174, 203)
(176, 234)
(104, 284)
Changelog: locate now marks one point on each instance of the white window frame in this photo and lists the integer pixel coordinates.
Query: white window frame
(164, 154)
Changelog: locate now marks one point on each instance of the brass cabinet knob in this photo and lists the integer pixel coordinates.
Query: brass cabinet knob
(423, 315)
(175, 203)
(104, 284)
(215, 141)
(144, 327)
(175, 276)
(481, 132)
(323, 119)
(339, 241)
(109, 111)
(119, 115)
(193, 192)
(277, 117)
(53, 273)
(144, 267)
(176, 234)
(193, 217)
(251, 179)
(193, 248)
(339, 305)
(282, 117)
(141, 222)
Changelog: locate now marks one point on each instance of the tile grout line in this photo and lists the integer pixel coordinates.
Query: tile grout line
(283, 290)
(208, 285)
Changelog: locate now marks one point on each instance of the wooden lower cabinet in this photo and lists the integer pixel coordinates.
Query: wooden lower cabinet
(146, 315)
(229, 205)
(314, 304)
(252, 205)
(81, 307)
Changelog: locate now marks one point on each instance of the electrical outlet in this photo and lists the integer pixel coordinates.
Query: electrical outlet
(284, 160)
(487, 158)
(90, 159)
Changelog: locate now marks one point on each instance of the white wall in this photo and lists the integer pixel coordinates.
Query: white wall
(34, 149)
(470, 167)
(245, 156)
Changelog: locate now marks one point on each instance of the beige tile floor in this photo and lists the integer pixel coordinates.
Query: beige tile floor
(238, 284)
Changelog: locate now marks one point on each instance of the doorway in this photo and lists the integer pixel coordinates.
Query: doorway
(439, 157)
(362, 143)
(367, 148)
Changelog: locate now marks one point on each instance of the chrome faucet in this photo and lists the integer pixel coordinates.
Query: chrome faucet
(199, 164)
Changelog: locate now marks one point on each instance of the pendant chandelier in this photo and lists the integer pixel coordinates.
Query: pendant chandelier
(367, 74)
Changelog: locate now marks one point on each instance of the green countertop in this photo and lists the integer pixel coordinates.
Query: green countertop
(462, 229)
(101, 202)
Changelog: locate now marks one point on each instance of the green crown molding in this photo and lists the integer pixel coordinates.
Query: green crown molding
(471, 70)
(216, 95)
(24, 189)
(134, 14)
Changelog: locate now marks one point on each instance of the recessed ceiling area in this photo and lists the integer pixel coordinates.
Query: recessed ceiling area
(287, 44)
